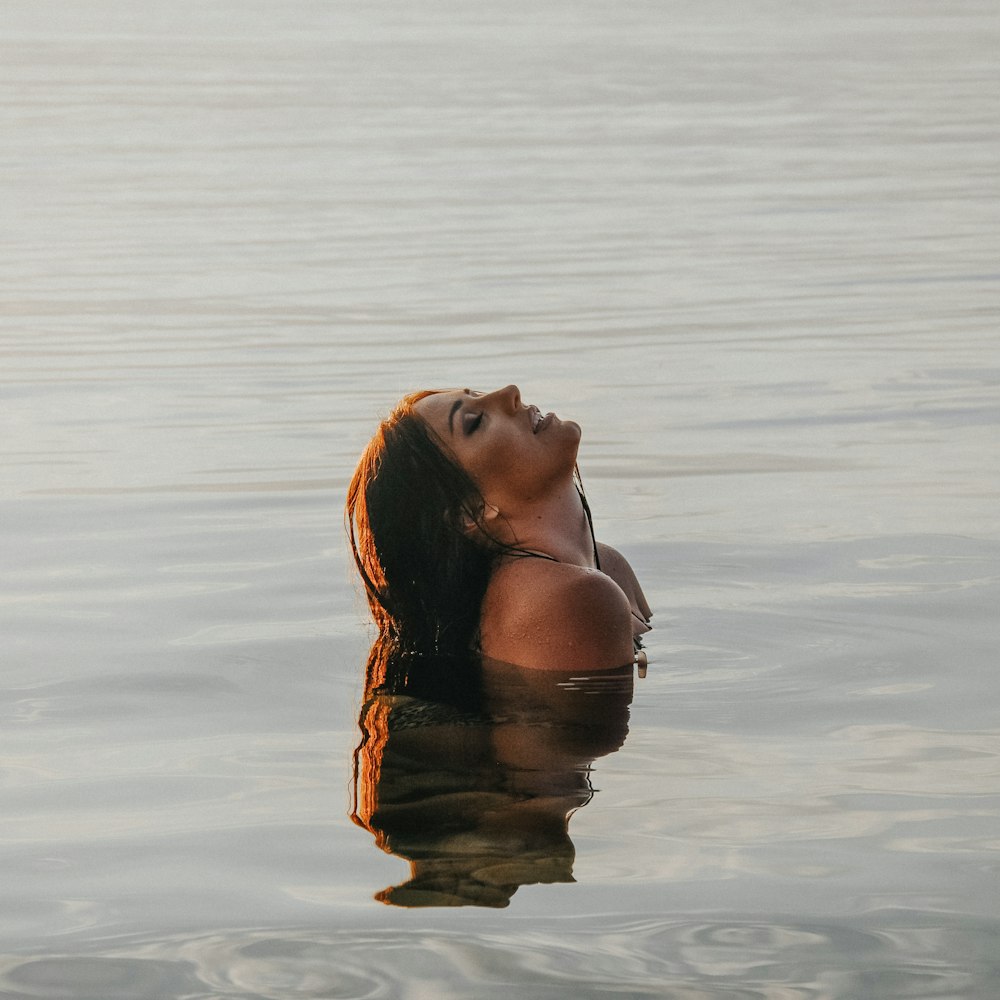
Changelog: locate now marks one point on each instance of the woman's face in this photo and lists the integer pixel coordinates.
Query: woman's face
(514, 453)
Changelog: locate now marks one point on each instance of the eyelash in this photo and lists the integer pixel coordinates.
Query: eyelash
(473, 424)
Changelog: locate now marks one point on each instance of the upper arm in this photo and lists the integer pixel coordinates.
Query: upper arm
(557, 617)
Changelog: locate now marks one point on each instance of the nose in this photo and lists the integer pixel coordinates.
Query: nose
(509, 397)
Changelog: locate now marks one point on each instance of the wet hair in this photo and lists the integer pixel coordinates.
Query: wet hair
(409, 505)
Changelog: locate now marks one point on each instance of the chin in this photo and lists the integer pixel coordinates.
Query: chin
(573, 435)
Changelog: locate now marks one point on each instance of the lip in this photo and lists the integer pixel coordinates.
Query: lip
(544, 422)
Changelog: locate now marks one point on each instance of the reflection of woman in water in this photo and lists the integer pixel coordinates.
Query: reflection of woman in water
(479, 802)
(499, 617)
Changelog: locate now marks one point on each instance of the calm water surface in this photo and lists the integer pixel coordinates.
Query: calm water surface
(753, 250)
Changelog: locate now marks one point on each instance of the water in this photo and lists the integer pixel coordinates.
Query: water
(753, 251)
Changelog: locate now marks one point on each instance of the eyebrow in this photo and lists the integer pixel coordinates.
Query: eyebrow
(455, 407)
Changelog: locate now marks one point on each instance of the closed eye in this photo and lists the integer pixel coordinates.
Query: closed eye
(471, 422)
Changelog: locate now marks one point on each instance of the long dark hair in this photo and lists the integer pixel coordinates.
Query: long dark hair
(409, 506)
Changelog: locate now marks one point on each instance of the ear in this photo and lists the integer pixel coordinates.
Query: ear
(469, 524)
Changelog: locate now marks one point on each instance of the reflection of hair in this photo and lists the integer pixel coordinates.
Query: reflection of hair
(377, 710)
(428, 787)
(384, 711)
(424, 575)
(374, 724)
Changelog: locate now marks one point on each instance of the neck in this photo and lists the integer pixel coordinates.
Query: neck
(556, 526)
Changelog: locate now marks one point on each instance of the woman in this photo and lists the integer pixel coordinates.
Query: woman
(471, 532)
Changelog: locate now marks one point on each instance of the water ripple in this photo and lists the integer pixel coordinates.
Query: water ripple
(891, 955)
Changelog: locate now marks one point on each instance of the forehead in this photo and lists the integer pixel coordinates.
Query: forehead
(436, 408)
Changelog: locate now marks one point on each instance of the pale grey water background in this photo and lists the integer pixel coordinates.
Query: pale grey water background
(754, 249)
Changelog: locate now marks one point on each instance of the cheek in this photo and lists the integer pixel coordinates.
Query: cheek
(499, 461)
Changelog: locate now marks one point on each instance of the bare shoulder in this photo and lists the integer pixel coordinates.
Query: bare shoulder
(617, 567)
(555, 616)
